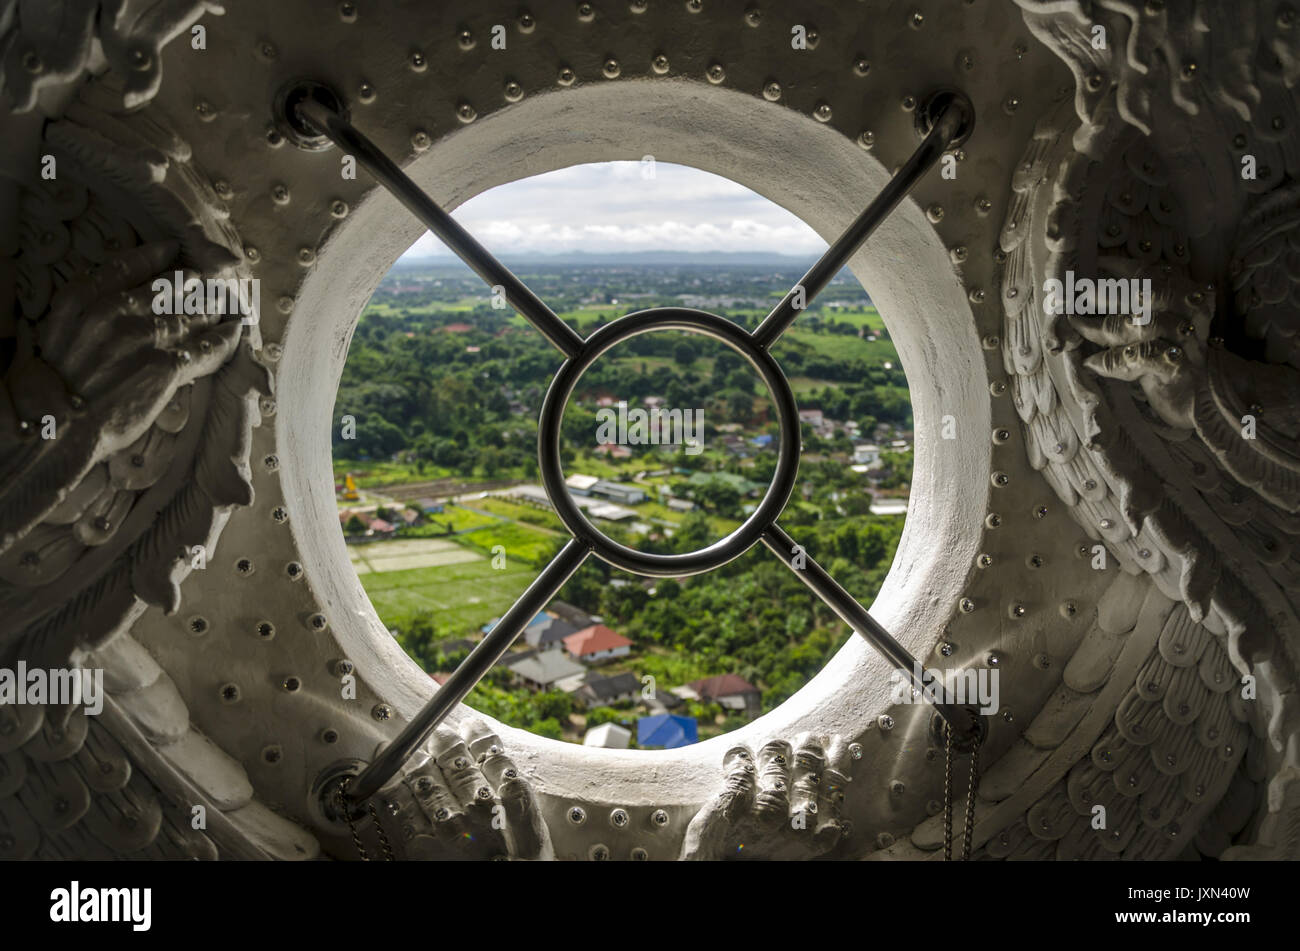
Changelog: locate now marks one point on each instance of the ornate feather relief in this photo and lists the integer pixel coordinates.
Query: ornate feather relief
(124, 432)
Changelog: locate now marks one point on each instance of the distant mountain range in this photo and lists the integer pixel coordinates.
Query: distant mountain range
(628, 259)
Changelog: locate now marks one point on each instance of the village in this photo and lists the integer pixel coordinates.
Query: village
(473, 540)
(668, 445)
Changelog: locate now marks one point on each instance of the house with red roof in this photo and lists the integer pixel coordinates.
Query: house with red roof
(731, 692)
(596, 644)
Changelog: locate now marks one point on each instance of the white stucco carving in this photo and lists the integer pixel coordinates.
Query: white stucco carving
(1121, 684)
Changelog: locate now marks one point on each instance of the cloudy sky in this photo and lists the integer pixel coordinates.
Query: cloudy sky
(621, 206)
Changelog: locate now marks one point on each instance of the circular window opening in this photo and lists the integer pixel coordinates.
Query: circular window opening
(436, 469)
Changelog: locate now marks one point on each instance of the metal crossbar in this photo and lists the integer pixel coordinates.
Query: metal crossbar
(946, 119)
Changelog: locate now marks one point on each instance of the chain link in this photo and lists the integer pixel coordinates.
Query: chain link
(947, 791)
(341, 797)
(383, 836)
(968, 831)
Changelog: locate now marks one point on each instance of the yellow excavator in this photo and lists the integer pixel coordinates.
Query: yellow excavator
(350, 493)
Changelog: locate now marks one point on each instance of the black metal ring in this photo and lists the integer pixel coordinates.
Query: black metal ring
(937, 105)
(725, 549)
(291, 123)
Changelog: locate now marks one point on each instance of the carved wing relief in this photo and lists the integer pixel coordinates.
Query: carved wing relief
(1180, 419)
(125, 438)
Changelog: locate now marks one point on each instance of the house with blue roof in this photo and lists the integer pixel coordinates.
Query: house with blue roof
(666, 731)
(541, 618)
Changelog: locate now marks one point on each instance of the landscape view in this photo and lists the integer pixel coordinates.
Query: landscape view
(440, 497)
(440, 500)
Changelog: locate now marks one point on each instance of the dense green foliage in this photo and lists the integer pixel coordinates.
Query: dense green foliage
(417, 389)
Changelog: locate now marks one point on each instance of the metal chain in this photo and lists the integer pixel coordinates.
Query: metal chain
(383, 836)
(341, 796)
(968, 832)
(947, 791)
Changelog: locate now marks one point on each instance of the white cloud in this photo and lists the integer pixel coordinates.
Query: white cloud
(614, 206)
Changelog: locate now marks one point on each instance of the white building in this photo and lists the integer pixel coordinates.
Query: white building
(888, 507)
(580, 484)
(609, 736)
(617, 492)
(867, 454)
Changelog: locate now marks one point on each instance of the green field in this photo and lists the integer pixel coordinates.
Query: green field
(869, 318)
(586, 317)
(840, 347)
(373, 474)
(588, 463)
(464, 305)
(462, 597)
(803, 385)
(522, 543)
(651, 510)
(520, 513)
(643, 458)
(460, 519)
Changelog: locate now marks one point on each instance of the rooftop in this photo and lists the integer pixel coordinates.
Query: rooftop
(667, 731)
(724, 685)
(574, 615)
(592, 640)
(605, 688)
(538, 618)
(548, 631)
(547, 667)
(611, 736)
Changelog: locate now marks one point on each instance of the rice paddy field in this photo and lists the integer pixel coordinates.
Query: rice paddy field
(464, 593)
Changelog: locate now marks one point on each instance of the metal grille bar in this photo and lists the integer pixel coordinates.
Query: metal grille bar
(946, 118)
(460, 241)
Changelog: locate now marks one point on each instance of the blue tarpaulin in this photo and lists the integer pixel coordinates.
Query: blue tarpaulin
(666, 731)
(541, 616)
